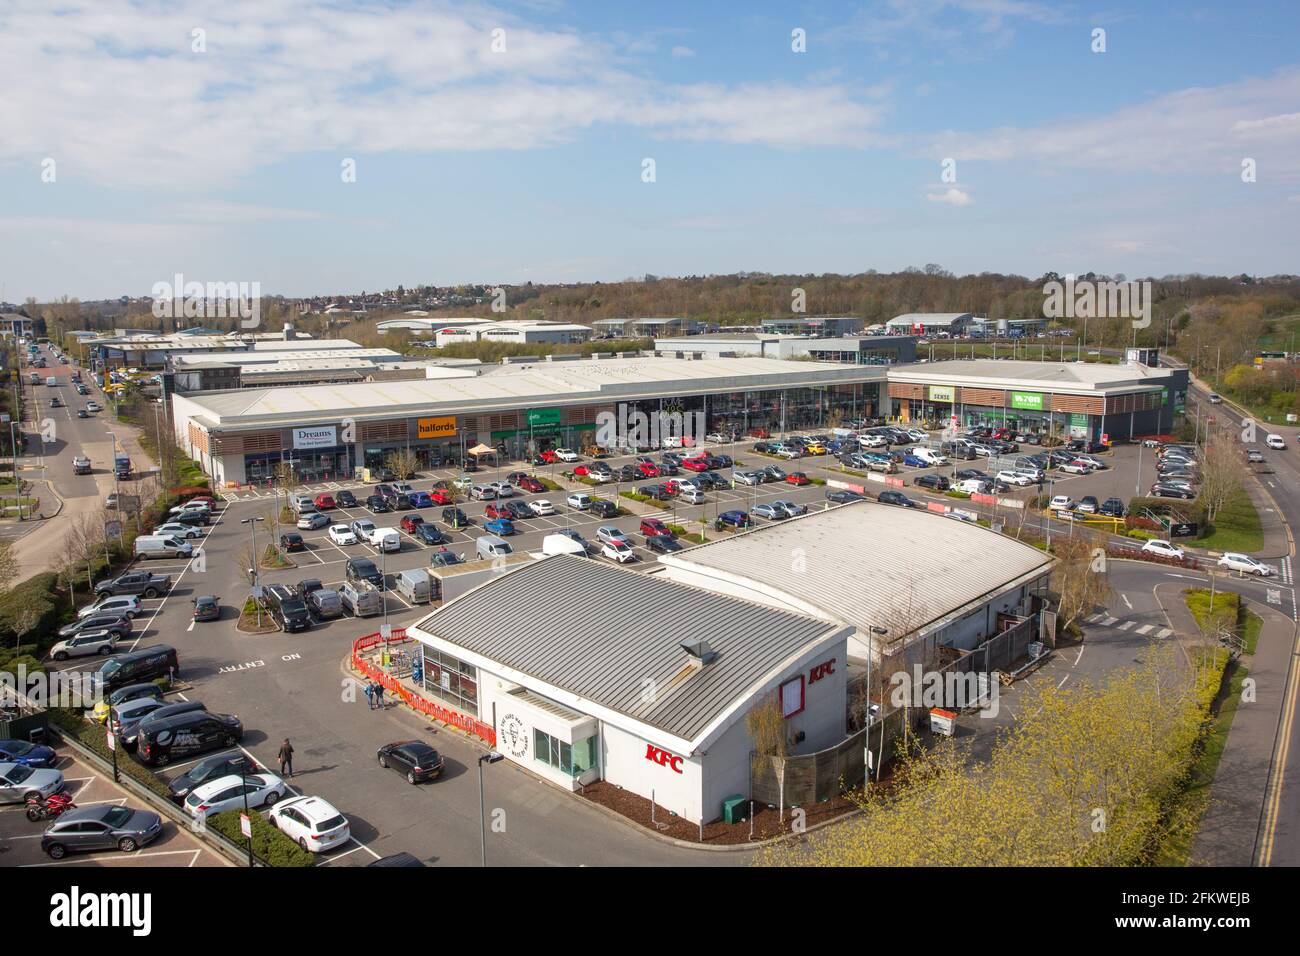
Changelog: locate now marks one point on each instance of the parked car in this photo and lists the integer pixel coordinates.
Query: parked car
(27, 754)
(312, 521)
(1163, 489)
(292, 541)
(1236, 561)
(127, 605)
(100, 827)
(733, 519)
(142, 583)
(207, 607)
(116, 624)
(429, 533)
(346, 499)
(410, 523)
(19, 782)
(311, 822)
(186, 735)
(377, 504)
(216, 767)
(933, 482)
(602, 508)
(363, 571)
(454, 517)
(499, 526)
(234, 792)
(844, 497)
(662, 543)
(1112, 508)
(654, 526)
(896, 498)
(769, 512)
(1088, 504)
(1013, 478)
(342, 535)
(413, 759)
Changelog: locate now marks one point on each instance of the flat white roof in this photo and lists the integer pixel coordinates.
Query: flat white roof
(525, 385)
(866, 564)
(929, 318)
(1082, 377)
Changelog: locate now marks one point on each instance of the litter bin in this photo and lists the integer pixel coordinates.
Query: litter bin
(735, 809)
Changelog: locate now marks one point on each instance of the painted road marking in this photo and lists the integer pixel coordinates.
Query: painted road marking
(1164, 632)
(1126, 625)
(1109, 621)
(1274, 596)
(1127, 602)
(1146, 629)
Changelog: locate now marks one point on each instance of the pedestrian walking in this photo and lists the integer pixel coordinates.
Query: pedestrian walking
(379, 695)
(370, 695)
(286, 758)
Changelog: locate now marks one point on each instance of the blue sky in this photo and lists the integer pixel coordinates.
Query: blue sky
(481, 166)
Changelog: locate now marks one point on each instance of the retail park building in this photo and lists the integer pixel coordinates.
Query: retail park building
(522, 406)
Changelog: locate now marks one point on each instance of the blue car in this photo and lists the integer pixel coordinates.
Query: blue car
(420, 499)
(732, 519)
(29, 755)
(722, 461)
(500, 526)
(430, 533)
(911, 459)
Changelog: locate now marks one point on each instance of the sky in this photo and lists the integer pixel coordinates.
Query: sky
(559, 141)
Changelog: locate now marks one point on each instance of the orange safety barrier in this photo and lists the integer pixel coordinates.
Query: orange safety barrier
(438, 712)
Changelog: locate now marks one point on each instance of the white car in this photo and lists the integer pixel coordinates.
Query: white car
(915, 434)
(579, 501)
(178, 530)
(619, 551)
(85, 644)
(93, 407)
(567, 454)
(312, 520)
(503, 489)
(193, 506)
(1013, 478)
(1062, 503)
(541, 507)
(311, 823)
(127, 605)
(1075, 467)
(873, 441)
(342, 534)
(227, 793)
(717, 438)
(1163, 548)
(1235, 561)
(1275, 441)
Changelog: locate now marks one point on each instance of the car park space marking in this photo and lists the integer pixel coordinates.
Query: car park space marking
(1146, 629)
(119, 858)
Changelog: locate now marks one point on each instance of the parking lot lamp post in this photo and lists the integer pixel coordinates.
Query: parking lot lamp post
(871, 652)
(490, 757)
(243, 779)
(252, 529)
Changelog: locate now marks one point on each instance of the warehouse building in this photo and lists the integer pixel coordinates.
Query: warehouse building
(1095, 401)
(931, 323)
(519, 408)
(544, 654)
(852, 349)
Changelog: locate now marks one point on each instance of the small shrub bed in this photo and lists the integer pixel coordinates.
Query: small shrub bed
(269, 845)
(93, 737)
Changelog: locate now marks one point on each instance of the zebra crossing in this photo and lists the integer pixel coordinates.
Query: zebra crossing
(1102, 619)
(1284, 570)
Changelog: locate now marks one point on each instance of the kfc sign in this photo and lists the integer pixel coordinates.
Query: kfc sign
(821, 670)
(663, 758)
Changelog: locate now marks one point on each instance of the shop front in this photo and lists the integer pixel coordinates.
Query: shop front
(543, 429)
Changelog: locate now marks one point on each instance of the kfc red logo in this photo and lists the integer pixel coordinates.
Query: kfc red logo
(663, 757)
(821, 670)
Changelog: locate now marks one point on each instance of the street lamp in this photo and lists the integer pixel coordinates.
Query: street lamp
(490, 757)
(871, 653)
(253, 571)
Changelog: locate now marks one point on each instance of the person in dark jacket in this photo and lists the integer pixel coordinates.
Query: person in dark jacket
(286, 758)
(379, 696)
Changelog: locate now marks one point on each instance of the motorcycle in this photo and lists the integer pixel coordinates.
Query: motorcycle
(50, 808)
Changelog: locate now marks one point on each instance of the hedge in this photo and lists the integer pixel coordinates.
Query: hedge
(635, 496)
(42, 594)
(269, 845)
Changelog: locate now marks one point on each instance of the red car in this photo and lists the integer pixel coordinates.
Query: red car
(673, 486)
(653, 526)
(440, 496)
(798, 478)
(530, 483)
(410, 522)
(696, 464)
(494, 510)
(323, 502)
(549, 457)
(649, 469)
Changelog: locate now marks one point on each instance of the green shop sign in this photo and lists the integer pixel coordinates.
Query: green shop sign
(543, 416)
(1028, 400)
(540, 430)
(1078, 421)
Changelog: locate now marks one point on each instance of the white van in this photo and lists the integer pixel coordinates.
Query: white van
(929, 456)
(490, 546)
(52, 382)
(579, 500)
(562, 544)
(414, 586)
(161, 546)
(385, 539)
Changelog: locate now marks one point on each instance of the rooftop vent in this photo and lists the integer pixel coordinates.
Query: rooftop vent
(699, 652)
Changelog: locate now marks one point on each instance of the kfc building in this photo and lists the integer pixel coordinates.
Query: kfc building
(589, 671)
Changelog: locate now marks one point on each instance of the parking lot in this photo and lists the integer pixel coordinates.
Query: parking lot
(20, 838)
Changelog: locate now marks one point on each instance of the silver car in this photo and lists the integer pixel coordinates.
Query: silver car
(104, 827)
(18, 782)
(85, 643)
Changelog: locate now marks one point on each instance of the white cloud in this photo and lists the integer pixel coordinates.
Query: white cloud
(952, 196)
(682, 53)
(1205, 129)
(114, 93)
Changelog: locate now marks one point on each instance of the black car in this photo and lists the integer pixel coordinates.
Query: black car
(629, 473)
(656, 492)
(663, 543)
(233, 762)
(844, 497)
(307, 585)
(896, 498)
(720, 461)
(933, 482)
(363, 569)
(287, 608)
(112, 622)
(292, 541)
(413, 759)
(399, 502)
(430, 533)
(186, 735)
(1112, 508)
(1162, 490)
(968, 473)
(603, 509)
(517, 509)
(195, 519)
(377, 504)
(345, 499)
(454, 517)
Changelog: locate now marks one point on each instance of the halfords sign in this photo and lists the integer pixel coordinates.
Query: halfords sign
(326, 437)
(443, 427)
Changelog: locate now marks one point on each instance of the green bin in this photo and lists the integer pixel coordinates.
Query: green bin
(735, 809)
